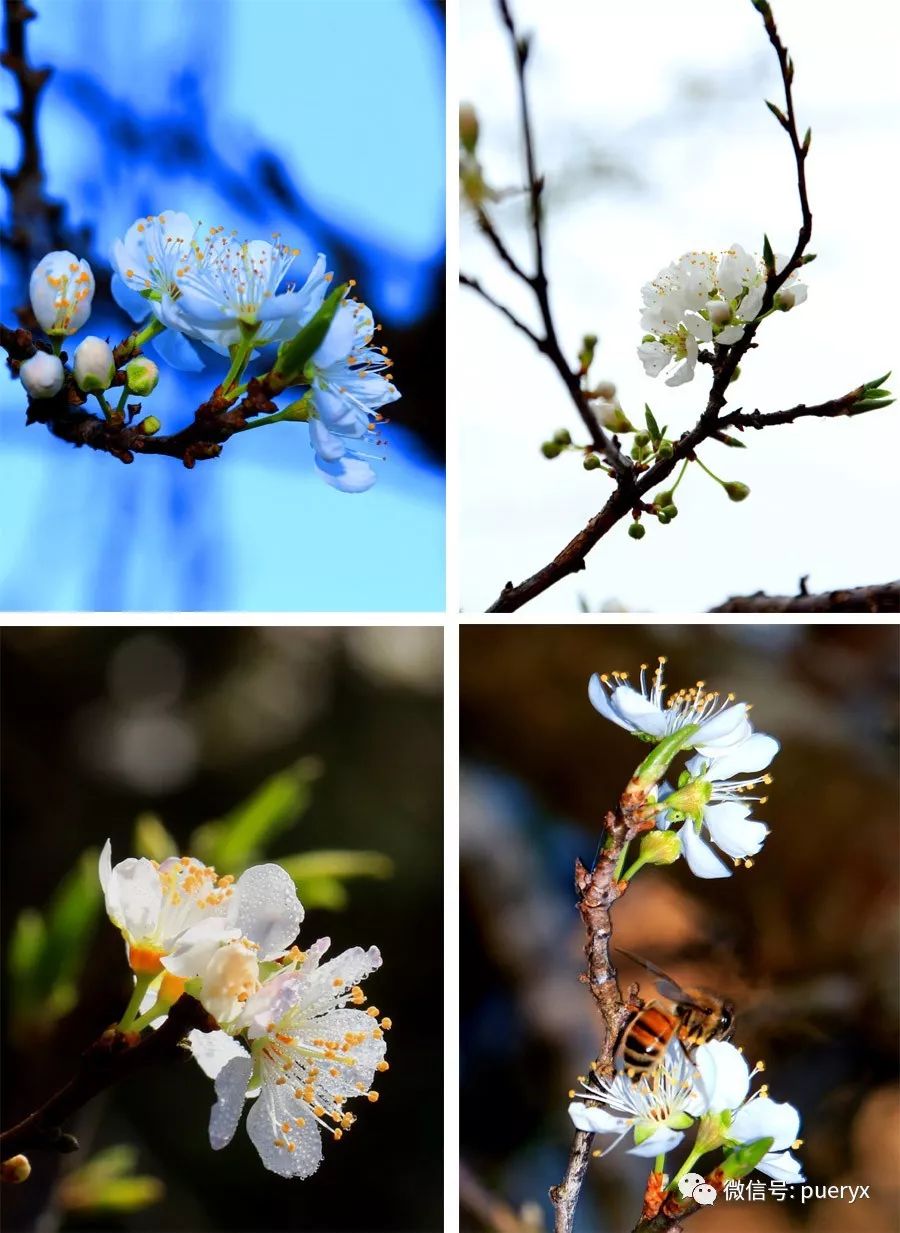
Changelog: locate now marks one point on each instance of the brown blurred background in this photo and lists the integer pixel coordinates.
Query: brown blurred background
(806, 942)
(100, 726)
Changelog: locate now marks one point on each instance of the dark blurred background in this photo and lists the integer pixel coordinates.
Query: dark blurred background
(319, 120)
(338, 731)
(806, 942)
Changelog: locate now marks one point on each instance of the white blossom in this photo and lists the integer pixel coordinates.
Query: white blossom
(94, 365)
(310, 1052)
(723, 723)
(42, 375)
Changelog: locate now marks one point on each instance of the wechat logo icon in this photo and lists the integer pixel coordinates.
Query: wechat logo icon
(694, 1186)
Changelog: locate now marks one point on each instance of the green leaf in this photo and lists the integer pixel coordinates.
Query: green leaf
(768, 255)
(151, 839)
(242, 836)
(327, 893)
(71, 920)
(777, 113)
(878, 382)
(29, 937)
(652, 426)
(338, 864)
(872, 404)
(745, 1158)
(294, 355)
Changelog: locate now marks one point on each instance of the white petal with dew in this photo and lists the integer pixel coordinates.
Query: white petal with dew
(213, 1050)
(266, 909)
(275, 1108)
(134, 897)
(232, 1082)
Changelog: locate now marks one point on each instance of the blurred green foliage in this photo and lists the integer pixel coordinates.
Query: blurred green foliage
(48, 949)
(107, 1183)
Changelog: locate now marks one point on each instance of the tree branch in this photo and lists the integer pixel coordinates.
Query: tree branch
(112, 1057)
(883, 597)
(214, 422)
(633, 484)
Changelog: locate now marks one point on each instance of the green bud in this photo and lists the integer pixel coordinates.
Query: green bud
(141, 376)
(785, 300)
(642, 438)
(777, 113)
(468, 127)
(670, 511)
(660, 848)
(665, 449)
(591, 462)
(734, 376)
(562, 437)
(662, 499)
(663, 517)
(637, 530)
(550, 449)
(150, 425)
(736, 490)
(649, 338)
(878, 382)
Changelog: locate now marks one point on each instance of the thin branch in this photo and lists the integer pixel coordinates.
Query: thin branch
(879, 598)
(111, 1058)
(474, 285)
(214, 422)
(493, 1212)
(597, 890)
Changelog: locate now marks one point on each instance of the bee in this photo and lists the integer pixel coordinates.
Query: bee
(698, 1017)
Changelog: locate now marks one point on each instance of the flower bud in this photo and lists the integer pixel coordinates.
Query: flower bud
(468, 127)
(734, 376)
(61, 289)
(642, 438)
(736, 490)
(95, 366)
(663, 517)
(562, 437)
(550, 449)
(670, 511)
(150, 425)
(141, 376)
(16, 1169)
(660, 848)
(43, 375)
(637, 530)
(785, 300)
(591, 462)
(718, 311)
(605, 390)
(665, 449)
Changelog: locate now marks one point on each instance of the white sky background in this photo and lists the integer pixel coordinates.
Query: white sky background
(673, 94)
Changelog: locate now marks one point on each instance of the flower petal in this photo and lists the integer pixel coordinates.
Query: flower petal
(721, 732)
(232, 1082)
(732, 831)
(213, 1050)
(134, 897)
(782, 1166)
(347, 474)
(660, 1142)
(271, 1111)
(600, 702)
(724, 1075)
(754, 754)
(266, 909)
(638, 712)
(596, 1120)
(196, 946)
(105, 865)
(701, 859)
(763, 1118)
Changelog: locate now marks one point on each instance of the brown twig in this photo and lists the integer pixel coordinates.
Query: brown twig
(537, 283)
(632, 483)
(111, 1058)
(214, 422)
(597, 890)
(881, 598)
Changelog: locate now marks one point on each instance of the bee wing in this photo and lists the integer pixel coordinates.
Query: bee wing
(668, 987)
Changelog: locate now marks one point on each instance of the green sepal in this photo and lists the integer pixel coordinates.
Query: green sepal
(643, 1133)
(295, 354)
(680, 1121)
(745, 1158)
(656, 764)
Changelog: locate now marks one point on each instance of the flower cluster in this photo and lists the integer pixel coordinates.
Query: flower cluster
(711, 1091)
(709, 805)
(705, 298)
(193, 289)
(292, 1036)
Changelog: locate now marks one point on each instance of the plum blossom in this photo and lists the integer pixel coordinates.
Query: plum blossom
(723, 723)
(732, 1117)
(310, 1052)
(176, 914)
(705, 298)
(711, 798)
(348, 387)
(657, 1109)
(61, 289)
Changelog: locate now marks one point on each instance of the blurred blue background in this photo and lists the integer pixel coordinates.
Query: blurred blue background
(321, 119)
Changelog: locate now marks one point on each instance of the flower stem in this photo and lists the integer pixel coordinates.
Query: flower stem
(632, 870)
(693, 1157)
(680, 475)
(141, 985)
(659, 1163)
(296, 410)
(57, 342)
(107, 409)
(120, 405)
(621, 862)
(711, 474)
(159, 1007)
(240, 356)
(153, 327)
